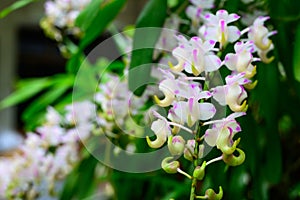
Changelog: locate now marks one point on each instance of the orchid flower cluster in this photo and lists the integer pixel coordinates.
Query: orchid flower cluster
(47, 155)
(40, 165)
(118, 109)
(193, 99)
(60, 18)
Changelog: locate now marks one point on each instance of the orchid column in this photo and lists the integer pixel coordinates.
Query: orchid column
(188, 93)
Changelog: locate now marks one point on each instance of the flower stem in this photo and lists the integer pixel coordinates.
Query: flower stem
(195, 162)
(214, 160)
(184, 173)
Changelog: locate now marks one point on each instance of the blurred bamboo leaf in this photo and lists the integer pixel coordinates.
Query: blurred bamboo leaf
(296, 57)
(25, 90)
(86, 17)
(96, 17)
(16, 5)
(60, 85)
(144, 40)
(79, 183)
(93, 21)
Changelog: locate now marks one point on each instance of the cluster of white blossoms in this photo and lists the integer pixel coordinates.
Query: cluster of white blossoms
(61, 16)
(51, 152)
(117, 110)
(189, 89)
(47, 155)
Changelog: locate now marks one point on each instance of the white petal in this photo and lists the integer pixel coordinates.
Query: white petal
(212, 63)
(222, 14)
(207, 111)
(233, 33)
(219, 95)
(181, 111)
(230, 61)
(234, 115)
(232, 17)
(161, 130)
(211, 136)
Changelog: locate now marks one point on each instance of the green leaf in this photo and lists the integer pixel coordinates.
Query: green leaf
(25, 90)
(153, 15)
(81, 181)
(107, 11)
(17, 5)
(93, 20)
(296, 59)
(60, 85)
(85, 18)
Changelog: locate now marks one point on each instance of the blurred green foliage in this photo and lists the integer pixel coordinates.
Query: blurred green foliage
(271, 130)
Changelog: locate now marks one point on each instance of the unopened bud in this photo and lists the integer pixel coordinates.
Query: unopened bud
(211, 195)
(176, 145)
(170, 167)
(189, 150)
(199, 171)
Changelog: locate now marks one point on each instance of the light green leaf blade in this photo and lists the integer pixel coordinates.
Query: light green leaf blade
(17, 5)
(153, 15)
(25, 90)
(296, 59)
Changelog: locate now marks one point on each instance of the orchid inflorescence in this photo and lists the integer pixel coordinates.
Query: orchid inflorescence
(61, 16)
(193, 99)
(40, 165)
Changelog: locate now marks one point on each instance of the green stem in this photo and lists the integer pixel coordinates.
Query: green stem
(182, 7)
(195, 162)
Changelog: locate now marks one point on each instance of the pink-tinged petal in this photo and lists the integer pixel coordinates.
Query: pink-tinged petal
(231, 79)
(232, 17)
(233, 33)
(243, 81)
(260, 20)
(234, 127)
(204, 95)
(211, 20)
(222, 14)
(209, 45)
(234, 115)
(206, 111)
(191, 103)
(223, 26)
(198, 63)
(244, 59)
(211, 33)
(219, 95)
(243, 95)
(181, 111)
(182, 40)
(211, 136)
(212, 63)
(230, 61)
